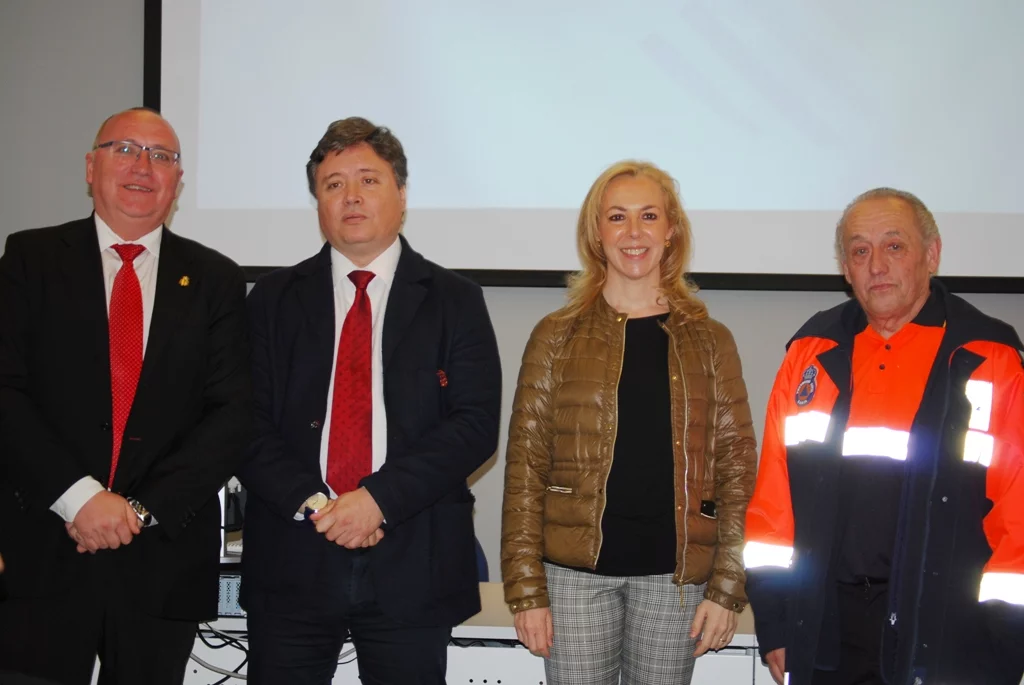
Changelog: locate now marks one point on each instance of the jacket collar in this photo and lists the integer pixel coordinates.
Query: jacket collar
(411, 283)
(604, 313)
(965, 322)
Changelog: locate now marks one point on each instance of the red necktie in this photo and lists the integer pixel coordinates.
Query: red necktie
(125, 344)
(349, 447)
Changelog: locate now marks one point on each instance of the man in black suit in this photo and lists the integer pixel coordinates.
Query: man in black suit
(125, 404)
(377, 386)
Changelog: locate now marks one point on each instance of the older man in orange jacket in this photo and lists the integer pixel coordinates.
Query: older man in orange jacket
(885, 538)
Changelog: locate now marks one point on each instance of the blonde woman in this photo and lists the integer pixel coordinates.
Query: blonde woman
(631, 455)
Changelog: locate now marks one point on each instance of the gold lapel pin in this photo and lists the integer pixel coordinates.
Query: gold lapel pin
(183, 282)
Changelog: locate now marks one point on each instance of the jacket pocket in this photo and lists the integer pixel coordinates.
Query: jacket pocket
(563, 508)
(702, 530)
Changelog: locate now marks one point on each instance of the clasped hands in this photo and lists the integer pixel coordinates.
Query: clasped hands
(106, 521)
(352, 520)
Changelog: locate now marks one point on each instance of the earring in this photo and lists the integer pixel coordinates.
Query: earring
(668, 243)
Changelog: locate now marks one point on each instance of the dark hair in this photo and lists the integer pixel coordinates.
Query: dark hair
(345, 133)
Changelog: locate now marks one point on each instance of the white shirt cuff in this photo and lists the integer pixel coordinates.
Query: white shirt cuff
(75, 497)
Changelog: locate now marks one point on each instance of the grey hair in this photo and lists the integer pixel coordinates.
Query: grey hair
(922, 215)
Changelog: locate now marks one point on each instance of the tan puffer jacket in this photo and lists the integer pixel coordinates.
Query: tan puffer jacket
(561, 442)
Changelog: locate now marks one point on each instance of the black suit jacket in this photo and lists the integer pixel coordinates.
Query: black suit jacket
(190, 420)
(425, 568)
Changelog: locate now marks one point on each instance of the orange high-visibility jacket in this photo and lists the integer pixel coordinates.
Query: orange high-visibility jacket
(956, 589)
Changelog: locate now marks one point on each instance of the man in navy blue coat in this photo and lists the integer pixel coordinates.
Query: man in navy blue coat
(377, 385)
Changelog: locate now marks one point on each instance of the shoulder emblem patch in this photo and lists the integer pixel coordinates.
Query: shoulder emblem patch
(805, 391)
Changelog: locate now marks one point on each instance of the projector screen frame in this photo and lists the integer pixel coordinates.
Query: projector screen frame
(153, 45)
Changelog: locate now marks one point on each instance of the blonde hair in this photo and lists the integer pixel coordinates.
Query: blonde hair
(585, 285)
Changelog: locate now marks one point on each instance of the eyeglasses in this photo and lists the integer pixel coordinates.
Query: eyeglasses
(125, 150)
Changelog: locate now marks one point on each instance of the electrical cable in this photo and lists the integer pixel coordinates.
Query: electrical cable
(217, 670)
(228, 641)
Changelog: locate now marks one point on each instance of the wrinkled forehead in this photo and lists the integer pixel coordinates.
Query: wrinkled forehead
(881, 218)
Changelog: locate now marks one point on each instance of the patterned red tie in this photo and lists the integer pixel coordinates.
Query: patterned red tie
(125, 344)
(349, 447)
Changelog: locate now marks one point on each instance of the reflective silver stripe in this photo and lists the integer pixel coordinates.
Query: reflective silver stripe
(979, 394)
(978, 444)
(1008, 587)
(760, 554)
(876, 442)
(979, 447)
(806, 426)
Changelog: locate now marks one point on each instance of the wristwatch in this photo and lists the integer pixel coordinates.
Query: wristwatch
(312, 504)
(145, 518)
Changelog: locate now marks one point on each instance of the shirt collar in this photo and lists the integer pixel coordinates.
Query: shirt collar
(383, 267)
(107, 237)
(933, 313)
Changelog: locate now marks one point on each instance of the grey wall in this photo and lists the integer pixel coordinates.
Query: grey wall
(65, 66)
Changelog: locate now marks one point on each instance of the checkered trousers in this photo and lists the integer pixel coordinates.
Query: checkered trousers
(605, 627)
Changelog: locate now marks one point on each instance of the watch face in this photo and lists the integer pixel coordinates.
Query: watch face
(317, 501)
(141, 512)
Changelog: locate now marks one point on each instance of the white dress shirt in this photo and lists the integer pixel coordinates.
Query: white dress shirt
(75, 497)
(378, 290)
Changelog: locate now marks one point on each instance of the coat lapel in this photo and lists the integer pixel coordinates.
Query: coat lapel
(82, 270)
(315, 292)
(175, 292)
(407, 293)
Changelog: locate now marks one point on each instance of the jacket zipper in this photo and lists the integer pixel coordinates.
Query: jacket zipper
(677, 577)
(686, 466)
(897, 571)
(615, 435)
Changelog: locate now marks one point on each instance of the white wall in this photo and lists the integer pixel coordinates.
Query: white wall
(65, 66)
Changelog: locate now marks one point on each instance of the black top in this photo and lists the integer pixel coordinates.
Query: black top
(870, 498)
(639, 526)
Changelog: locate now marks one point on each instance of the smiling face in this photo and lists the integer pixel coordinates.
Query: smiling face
(359, 203)
(887, 261)
(131, 195)
(633, 227)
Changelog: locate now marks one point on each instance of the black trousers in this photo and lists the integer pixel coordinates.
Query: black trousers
(298, 639)
(862, 612)
(55, 639)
